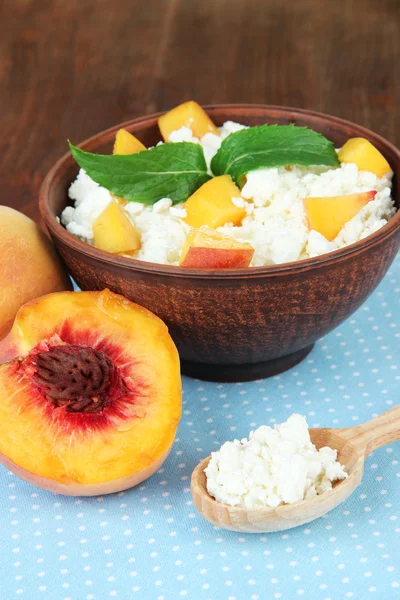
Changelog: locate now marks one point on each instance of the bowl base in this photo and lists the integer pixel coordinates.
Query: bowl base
(245, 372)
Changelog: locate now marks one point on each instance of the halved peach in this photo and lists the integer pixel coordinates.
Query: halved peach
(90, 397)
(189, 114)
(209, 249)
(328, 215)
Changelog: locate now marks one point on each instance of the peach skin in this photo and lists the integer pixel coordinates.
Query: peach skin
(206, 248)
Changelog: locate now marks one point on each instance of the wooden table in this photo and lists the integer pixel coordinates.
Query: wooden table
(70, 69)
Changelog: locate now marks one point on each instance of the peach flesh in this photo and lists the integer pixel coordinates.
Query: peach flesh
(89, 489)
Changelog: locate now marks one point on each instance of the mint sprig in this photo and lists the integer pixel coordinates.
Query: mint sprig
(272, 146)
(172, 171)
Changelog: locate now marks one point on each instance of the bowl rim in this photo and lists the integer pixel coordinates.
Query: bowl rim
(324, 260)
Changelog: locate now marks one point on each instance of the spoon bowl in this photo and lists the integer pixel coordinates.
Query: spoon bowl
(353, 444)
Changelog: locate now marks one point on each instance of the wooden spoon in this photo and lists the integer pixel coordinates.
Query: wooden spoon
(353, 444)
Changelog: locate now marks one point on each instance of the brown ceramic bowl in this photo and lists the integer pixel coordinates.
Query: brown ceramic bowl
(235, 324)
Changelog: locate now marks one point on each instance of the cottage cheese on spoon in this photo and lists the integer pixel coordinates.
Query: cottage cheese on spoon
(274, 466)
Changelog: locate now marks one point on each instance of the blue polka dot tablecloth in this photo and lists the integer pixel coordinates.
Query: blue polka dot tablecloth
(150, 543)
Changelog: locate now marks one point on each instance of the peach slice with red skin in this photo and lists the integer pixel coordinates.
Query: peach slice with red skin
(206, 248)
(90, 395)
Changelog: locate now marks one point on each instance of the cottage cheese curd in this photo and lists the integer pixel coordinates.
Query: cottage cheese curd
(272, 467)
(275, 223)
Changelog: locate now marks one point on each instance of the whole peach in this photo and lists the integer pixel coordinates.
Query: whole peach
(29, 265)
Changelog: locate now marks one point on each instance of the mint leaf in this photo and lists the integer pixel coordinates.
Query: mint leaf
(272, 146)
(167, 171)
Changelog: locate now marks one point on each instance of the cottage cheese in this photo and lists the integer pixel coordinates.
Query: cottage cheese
(275, 222)
(272, 467)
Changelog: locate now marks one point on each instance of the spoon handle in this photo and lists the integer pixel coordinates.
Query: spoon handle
(375, 433)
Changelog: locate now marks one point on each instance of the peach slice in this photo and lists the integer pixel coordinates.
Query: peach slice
(328, 215)
(113, 231)
(208, 249)
(212, 204)
(189, 114)
(90, 395)
(126, 143)
(367, 158)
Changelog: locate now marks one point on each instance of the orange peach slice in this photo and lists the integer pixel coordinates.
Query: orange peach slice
(209, 249)
(367, 158)
(90, 395)
(189, 114)
(113, 231)
(328, 215)
(126, 143)
(212, 204)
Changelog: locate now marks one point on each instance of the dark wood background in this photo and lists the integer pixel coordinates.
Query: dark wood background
(71, 68)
